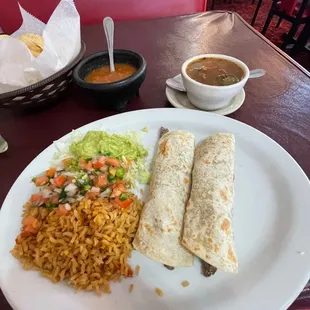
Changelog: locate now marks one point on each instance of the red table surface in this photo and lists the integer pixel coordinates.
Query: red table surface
(277, 104)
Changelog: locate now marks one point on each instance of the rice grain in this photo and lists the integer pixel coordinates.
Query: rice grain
(79, 248)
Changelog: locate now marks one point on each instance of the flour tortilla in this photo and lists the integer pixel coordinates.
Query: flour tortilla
(160, 228)
(208, 217)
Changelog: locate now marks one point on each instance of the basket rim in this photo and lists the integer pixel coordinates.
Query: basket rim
(45, 81)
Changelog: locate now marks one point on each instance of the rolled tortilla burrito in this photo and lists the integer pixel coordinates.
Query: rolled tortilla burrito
(208, 216)
(161, 223)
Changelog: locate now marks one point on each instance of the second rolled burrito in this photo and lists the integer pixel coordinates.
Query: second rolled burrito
(208, 216)
(161, 223)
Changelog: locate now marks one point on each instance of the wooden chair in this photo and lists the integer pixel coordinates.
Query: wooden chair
(302, 40)
(290, 11)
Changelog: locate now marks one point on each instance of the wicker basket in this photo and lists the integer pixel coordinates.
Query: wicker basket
(44, 91)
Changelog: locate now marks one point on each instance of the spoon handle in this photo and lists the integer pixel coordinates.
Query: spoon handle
(108, 26)
(256, 73)
(3, 145)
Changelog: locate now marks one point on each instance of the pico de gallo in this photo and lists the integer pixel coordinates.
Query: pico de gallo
(74, 179)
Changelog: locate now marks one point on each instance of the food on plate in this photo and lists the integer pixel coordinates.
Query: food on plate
(207, 269)
(159, 292)
(34, 42)
(125, 147)
(115, 145)
(104, 75)
(137, 270)
(185, 283)
(80, 224)
(3, 36)
(74, 179)
(86, 243)
(215, 71)
(208, 216)
(131, 286)
(160, 228)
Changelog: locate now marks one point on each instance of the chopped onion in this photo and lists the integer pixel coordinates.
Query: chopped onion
(60, 166)
(106, 193)
(58, 190)
(95, 189)
(68, 207)
(71, 200)
(71, 189)
(46, 193)
(70, 174)
(104, 168)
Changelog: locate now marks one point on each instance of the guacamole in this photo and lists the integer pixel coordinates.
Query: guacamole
(101, 143)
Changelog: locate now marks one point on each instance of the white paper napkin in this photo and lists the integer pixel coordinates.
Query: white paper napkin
(62, 43)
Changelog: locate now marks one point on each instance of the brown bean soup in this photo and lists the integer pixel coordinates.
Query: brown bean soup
(215, 71)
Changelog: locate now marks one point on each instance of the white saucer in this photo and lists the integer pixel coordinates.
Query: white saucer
(179, 100)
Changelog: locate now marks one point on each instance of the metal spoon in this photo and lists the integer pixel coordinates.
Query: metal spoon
(3, 145)
(108, 26)
(256, 73)
(177, 83)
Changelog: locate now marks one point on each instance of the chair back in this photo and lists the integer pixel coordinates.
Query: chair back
(93, 11)
(291, 7)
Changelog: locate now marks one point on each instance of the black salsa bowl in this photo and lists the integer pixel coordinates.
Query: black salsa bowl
(115, 94)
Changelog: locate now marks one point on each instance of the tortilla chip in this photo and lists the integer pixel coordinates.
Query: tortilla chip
(34, 42)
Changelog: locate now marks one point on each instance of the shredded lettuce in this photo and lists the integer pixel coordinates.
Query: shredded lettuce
(137, 171)
(63, 147)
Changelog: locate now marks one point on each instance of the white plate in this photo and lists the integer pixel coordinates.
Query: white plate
(180, 100)
(271, 224)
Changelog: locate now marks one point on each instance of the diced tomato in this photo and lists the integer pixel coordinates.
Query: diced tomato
(86, 165)
(123, 204)
(55, 199)
(37, 199)
(99, 163)
(62, 210)
(118, 189)
(40, 181)
(101, 181)
(60, 180)
(66, 162)
(28, 230)
(113, 161)
(89, 165)
(30, 221)
(130, 273)
(31, 225)
(50, 172)
(92, 195)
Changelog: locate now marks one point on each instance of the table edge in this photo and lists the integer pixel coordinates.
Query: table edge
(273, 46)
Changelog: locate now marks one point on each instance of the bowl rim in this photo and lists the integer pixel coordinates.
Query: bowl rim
(47, 80)
(106, 86)
(224, 87)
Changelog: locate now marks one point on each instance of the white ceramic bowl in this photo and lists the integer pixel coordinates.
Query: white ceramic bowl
(208, 97)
